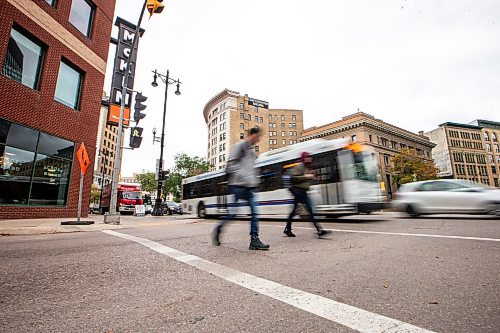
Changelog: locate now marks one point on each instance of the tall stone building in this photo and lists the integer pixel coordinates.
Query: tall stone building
(107, 137)
(229, 116)
(468, 151)
(53, 56)
(387, 140)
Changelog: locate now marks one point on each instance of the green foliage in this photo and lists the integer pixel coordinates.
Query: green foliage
(408, 167)
(185, 167)
(95, 194)
(147, 181)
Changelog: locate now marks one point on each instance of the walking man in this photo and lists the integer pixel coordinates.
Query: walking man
(301, 178)
(243, 183)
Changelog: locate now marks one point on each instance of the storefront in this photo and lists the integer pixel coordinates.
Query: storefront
(35, 167)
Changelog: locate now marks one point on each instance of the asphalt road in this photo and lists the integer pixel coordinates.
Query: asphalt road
(438, 274)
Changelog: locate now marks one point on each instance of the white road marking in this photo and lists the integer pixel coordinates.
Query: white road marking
(405, 234)
(343, 314)
(391, 233)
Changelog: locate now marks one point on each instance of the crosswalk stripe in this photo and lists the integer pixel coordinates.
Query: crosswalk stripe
(343, 314)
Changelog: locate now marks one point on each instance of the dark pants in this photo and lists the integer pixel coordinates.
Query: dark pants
(300, 197)
(246, 194)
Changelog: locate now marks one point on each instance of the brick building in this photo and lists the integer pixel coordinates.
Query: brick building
(385, 138)
(229, 116)
(53, 55)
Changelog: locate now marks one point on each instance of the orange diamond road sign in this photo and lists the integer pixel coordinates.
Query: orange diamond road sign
(83, 158)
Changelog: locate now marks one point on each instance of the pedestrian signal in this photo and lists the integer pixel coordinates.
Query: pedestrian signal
(135, 137)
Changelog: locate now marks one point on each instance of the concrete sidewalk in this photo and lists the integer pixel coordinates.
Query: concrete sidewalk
(52, 226)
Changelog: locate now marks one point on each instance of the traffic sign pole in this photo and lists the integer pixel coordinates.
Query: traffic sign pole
(80, 198)
(84, 160)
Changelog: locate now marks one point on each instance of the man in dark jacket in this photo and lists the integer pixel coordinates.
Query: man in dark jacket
(302, 178)
(243, 183)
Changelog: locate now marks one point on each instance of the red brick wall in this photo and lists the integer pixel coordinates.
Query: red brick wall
(37, 108)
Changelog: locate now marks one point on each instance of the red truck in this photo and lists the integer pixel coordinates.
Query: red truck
(129, 196)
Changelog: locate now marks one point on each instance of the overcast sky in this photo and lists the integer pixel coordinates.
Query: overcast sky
(414, 64)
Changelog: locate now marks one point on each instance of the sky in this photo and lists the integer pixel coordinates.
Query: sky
(414, 63)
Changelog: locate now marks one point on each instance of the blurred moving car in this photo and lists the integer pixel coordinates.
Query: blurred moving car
(171, 207)
(447, 196)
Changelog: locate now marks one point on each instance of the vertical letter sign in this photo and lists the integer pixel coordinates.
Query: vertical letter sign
(126, 36)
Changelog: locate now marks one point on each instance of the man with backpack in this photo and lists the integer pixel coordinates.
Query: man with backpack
(243, 183)
(301, 178)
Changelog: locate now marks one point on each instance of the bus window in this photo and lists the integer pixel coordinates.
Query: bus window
(270, 177)
(326, 168)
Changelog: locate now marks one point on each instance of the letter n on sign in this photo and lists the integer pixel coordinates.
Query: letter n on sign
(83, 158)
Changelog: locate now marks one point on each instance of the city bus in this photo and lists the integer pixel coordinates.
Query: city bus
(347, 182)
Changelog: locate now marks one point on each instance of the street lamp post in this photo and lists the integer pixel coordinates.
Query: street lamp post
(104, 153)
(158, 211)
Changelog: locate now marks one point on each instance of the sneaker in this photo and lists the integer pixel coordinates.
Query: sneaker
(288, 233)
(324, 232)
(215, 236)
(256, 244)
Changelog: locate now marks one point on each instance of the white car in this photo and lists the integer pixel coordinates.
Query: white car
(447, 196)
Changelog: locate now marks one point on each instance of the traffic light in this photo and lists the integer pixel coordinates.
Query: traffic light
(135, 137)
(164, 174)
(154, 7)
(138, 107)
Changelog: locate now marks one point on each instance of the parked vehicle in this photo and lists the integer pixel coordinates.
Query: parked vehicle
(447, 196)
(148, 203)
(129, 195)
(171, 207)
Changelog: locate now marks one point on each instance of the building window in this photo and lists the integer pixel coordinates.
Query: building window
(51, 2)
(488, 147)
(490, 158)
(283, 133)
(242, 126)
(34, 167)
(68, 85)
(249, 117)
(294, 117)
(242, 136)
(23, 59)
(486, 136)
(270, 117)
(261, 119)
(283, 142)
(370, 137)
(256, 118)
(242, 115)
(282, 118)
(257, 148)
(241, 106)
(82, 15)
(493, 136)
(496, 148)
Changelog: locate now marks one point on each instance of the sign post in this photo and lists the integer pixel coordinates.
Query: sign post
(84, 160)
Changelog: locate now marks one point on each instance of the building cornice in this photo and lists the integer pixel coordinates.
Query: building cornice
(218, 97)
(372, 124)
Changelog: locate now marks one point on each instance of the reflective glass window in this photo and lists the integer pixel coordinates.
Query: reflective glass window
(23, 59)
(51, 2)
(16, 166)
(68, 85)
(17, 135)
(81, 16)
(50, 181)
(50, 145)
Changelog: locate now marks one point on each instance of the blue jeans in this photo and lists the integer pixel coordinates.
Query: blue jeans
(300, 197)
(242, 193)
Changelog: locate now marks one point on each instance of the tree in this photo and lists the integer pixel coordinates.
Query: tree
(147, 181)
(408, 167)
(185, 166)
(95, 194)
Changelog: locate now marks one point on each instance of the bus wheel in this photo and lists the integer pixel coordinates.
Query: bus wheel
(201, 210)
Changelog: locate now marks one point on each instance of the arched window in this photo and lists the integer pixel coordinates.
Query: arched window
(486, 136)
(493, 136)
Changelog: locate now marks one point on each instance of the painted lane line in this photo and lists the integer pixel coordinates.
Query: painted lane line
(390, 233)
(340, 313)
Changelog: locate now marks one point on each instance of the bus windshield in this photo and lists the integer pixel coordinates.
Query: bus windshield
(365, 166)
